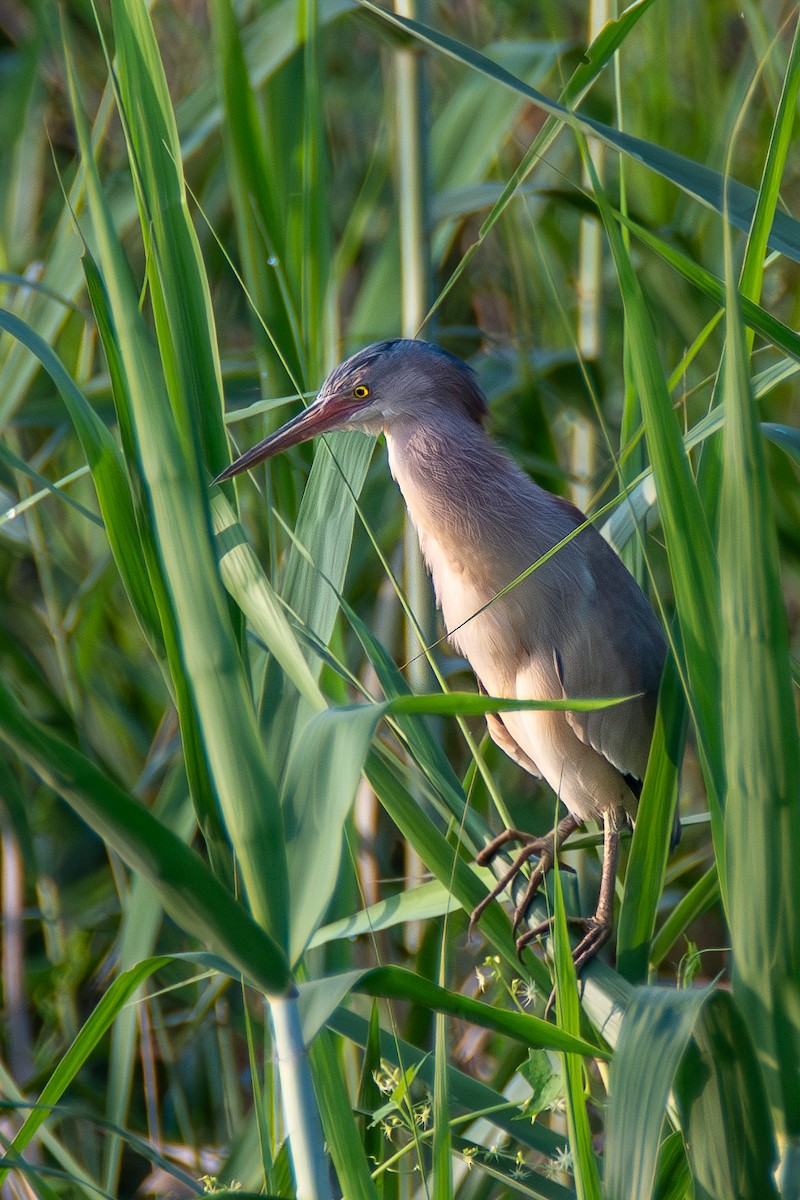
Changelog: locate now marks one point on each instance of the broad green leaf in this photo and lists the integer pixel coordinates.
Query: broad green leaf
(316, 567)
(321, 778)
(248, 585)
(149, 565)
(421, 903)
(655, 1034)
(319, 786)
(723, 1107)
(722, 1084)
(323, 996)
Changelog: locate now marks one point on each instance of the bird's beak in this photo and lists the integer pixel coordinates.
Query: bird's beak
(326, 413)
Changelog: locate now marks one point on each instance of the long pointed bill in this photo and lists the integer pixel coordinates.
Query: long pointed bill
(320, 417)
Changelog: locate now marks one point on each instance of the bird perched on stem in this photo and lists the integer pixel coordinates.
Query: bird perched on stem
(577, 626)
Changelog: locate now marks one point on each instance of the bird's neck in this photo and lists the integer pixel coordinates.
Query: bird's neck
(459, 488)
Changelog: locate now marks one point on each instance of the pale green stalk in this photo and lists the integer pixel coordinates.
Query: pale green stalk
(300, 1112)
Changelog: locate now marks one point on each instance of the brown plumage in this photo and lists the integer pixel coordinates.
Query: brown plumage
(578, 626)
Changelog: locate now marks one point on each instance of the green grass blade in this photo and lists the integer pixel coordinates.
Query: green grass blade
(396, 983)
(584, 1167)
(444, 861)
(248, 585)
(763, 217)
(692, 905)
(421, 903)
(108, 474)
(315, 243)
(655, 1034)
(644, 878)
(178, 284)
(315, 575)
(442, 1151)
(97, 1025)
(341, 1132)
(254, 182)
(695, 179)
(155, 589)
(467, 1094)
(758, 319)
(143, 915)
(761, 744)
(321, 778)
(690, 550)
(178, 508)
(190, 893)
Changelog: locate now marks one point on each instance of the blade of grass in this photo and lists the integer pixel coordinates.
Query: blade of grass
(190, 893)
(695, 179)
(178, 510)
(644, 877)
(583, 1166)
(762, 750)
(690, 551)
(178, 284)
(653, 1057)
(253, 182)
(108, 475)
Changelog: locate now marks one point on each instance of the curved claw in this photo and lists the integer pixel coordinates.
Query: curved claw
(543, 848)
(508, 835)
(534, 847)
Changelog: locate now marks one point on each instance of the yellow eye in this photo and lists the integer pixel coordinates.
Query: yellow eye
(361, 391)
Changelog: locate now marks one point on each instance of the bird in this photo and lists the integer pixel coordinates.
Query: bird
(577, 626)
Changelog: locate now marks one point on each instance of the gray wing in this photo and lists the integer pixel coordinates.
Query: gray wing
(612, 645)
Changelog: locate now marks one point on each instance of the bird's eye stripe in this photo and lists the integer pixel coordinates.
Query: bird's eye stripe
(361, 391)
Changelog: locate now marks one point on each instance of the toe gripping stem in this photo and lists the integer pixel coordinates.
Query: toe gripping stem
(597, 929)
(543, 848)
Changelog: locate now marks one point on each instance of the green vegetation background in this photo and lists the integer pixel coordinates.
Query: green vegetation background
(204, 208)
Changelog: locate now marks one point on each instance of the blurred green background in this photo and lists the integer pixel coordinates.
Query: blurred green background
(303, 178)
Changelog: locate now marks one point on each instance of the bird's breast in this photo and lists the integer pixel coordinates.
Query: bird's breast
(492, 633)
(479, 529)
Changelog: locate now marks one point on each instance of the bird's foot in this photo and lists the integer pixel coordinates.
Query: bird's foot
(597, 932)
(542, 848)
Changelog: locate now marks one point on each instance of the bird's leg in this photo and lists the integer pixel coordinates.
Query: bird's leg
(543, 848)
(597, 928)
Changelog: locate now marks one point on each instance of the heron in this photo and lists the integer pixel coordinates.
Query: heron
(576, 626)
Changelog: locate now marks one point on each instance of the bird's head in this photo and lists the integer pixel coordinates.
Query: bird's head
(382, 384)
